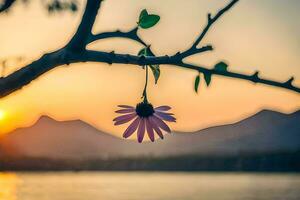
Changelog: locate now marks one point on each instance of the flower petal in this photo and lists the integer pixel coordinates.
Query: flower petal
(149, 129)
(141, 130)
(163, 108)
(156, 128)
(125, 106)
(164, 112)
(165, 116)
(131, 128)
(124, 119)
(121, 117)
(160, 123)
(127, 110)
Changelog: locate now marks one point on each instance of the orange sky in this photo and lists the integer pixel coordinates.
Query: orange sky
(254, 35)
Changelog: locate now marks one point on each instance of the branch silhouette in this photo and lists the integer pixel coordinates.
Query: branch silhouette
(75, 52)
(6, 5)
(50, 5)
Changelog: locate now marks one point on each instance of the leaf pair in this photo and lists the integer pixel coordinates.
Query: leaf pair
(221, 67)
(147, 20)
(154, 68)
(207, 78)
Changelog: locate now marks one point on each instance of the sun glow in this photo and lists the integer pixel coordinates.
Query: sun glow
(2, 114)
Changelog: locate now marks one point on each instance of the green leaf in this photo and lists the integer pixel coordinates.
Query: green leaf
(221, 66)
(143, 14)
(197, 81)
(148, 21)
(207, 78)
(143, 52)
(155, 68)
(156, 72)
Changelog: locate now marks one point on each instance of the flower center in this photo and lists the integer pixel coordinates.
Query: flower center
(144, 109)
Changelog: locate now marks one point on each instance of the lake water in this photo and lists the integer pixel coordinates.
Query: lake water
(148, 186)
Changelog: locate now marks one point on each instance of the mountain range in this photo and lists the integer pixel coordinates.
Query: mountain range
(266, 131)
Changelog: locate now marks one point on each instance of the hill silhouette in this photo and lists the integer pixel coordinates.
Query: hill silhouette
(266, 131)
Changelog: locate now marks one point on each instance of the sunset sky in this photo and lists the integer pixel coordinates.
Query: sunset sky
(254, 35)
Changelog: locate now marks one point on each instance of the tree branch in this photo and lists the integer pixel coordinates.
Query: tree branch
(132, 34)
(6, 5)
(25, 75)
(75, 52)
(47, 62)
(212, 20)
(253, 78)
(95, 56)
(80, 38)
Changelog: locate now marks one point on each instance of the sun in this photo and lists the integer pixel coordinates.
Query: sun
(2, 114)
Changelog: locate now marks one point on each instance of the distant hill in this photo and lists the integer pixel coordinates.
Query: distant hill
(266, 131)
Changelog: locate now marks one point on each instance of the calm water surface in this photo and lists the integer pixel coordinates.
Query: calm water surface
(148, 186)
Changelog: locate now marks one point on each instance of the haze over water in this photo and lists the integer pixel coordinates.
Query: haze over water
(148, 186)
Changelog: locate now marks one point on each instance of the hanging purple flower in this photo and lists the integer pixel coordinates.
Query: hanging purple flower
(145, 119)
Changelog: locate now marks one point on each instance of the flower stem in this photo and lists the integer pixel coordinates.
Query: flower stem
(145, 88)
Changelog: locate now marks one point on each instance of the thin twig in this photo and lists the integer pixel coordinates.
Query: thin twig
(211, 20)
(132, 34)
